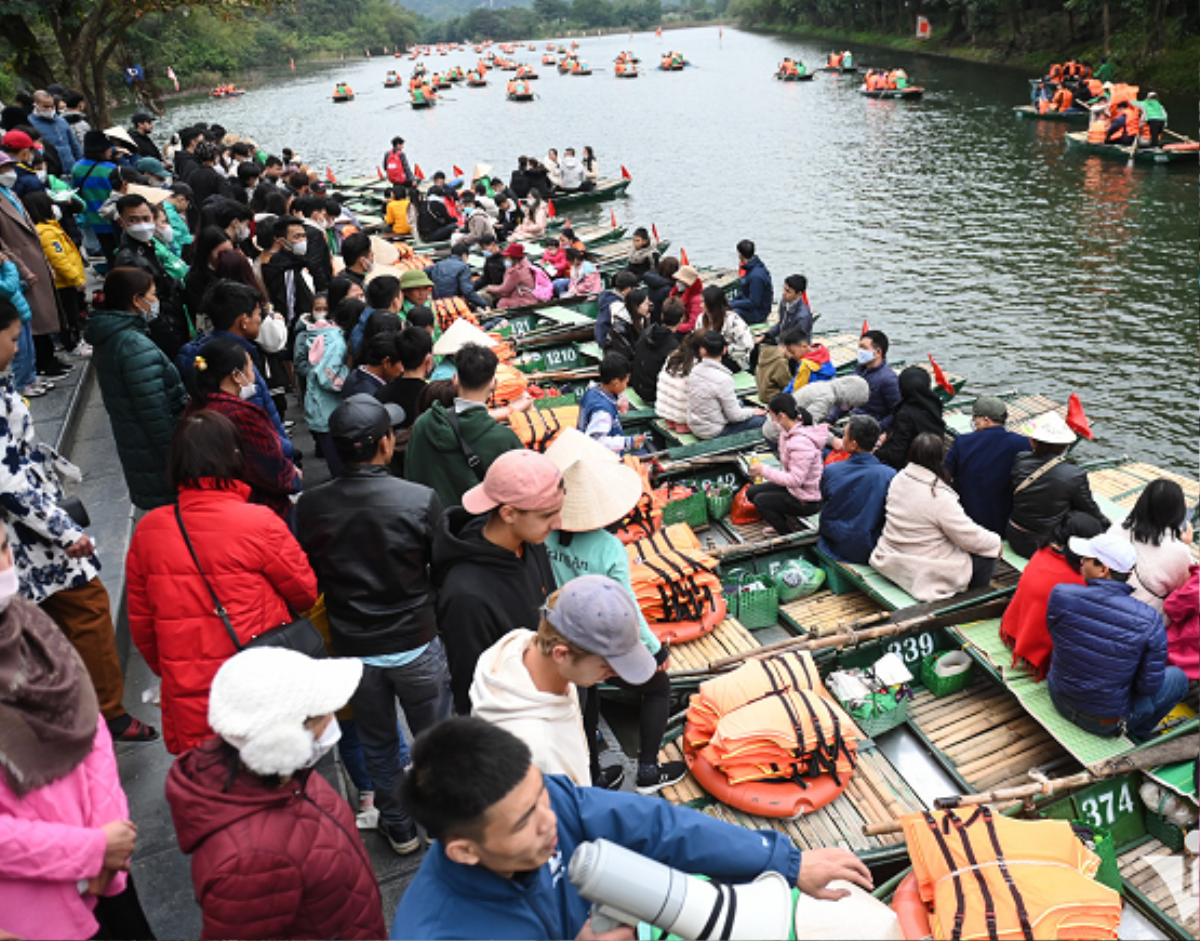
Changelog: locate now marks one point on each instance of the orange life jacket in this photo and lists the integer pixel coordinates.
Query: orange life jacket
(1097, 131)
(1056, 72)
(538, 427)
(678, 587)
(511, 384)
(449, 309)
(1133, 119)
(1085, 72)
(1095, 87)
(1063, 100)
(1043, 106)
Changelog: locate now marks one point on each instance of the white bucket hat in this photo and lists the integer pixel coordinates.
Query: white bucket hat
(1048, 427)
(459, 334)
(261, 697)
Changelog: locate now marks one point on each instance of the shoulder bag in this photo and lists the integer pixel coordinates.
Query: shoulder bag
(474, 461)
(300, 635)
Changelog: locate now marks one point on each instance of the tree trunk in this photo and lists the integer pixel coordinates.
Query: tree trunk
(1107, 48)
(28, 60)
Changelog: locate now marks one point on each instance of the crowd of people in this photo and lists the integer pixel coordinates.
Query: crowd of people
(471, 583)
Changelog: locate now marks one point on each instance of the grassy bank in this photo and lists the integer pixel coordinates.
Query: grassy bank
(1171, 71)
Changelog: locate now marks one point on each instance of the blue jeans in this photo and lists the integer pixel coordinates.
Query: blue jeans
(351, 750)
(738, 427)
(23, 371)
(561, 285)
(1145, 712)
(423, 688)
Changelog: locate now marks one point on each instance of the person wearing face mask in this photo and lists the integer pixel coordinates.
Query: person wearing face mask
(414, 349)
(20, 146)
(313, 215)
(358, 258)
(140, 387)
(169, 327)
(286, 274)
(70, 277)
(882, 379)
(55, 131)
(205, 181)
(211, 244)
(275, 851)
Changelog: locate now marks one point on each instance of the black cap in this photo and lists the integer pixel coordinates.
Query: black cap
(362, 419)
(182, 189)
(141, 118)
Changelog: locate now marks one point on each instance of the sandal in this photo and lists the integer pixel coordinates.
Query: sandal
(134, 730)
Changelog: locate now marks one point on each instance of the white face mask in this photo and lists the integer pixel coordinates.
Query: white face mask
(43, 175)
(865, 356)
(242, 232)
(57, 212)
(298, 248)
(165, 233)
(323, 745)
(247, 391)
(8, 178)
(45, 112)
(142, 231)
(152, 313)
(9, 585)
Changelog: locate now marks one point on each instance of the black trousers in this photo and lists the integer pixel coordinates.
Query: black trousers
(652, 718)
(1156, 128)
(121, 917)
(775, 505)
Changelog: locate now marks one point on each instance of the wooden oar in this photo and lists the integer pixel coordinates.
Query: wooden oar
(766, 545)
(1185, 139)
(566, 375)
(1183, 748)
(851, 635)
(1133, 149)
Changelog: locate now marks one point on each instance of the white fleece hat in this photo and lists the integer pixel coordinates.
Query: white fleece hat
(261, 697)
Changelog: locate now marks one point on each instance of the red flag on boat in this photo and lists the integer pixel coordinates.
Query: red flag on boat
(379, 173)
(683, 258)
(654, 229)
(457, 171)
(612, 214)
(1076, 420)
(940, 377)
(865, 328)
(293, 61)
(329, 175)
(625, 173)
(550, 213)
(417, 172)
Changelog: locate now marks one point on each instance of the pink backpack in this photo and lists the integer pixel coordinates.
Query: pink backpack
(543, 288)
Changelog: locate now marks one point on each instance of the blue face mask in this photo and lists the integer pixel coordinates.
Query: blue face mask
(865, 356)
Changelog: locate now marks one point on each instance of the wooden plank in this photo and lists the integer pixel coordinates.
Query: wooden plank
(992, 740)
(1015, 766)
(961, 711)
(952, 734)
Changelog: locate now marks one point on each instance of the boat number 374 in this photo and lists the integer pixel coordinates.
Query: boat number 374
(1102, 810)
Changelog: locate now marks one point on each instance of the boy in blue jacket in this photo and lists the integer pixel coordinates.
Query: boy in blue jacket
(504, 835)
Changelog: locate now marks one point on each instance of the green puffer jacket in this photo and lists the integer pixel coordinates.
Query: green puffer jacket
(435, 458)
(144, 397)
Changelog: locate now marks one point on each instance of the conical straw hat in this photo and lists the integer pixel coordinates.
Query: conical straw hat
(573, 445)
(1048, 427)
(461, 333)
(598, 494)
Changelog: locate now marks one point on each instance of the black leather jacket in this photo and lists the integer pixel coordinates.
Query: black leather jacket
(1044, 503)
(369, 537)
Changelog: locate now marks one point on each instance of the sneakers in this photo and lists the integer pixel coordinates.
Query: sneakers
(56, 369)
(653, 778)
(35, 390)
(81, 351)
(128, 729)
(405, 843)
(610, 778)
(366, 800)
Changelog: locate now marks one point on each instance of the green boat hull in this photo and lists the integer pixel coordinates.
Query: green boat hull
(1069, 117)
(907, 94)
(605, 189)
(1078, 140)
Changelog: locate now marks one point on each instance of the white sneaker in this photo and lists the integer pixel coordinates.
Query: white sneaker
(82, 351)
(34, 390)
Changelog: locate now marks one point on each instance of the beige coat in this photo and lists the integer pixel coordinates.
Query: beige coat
(928, 539)
(19, 238)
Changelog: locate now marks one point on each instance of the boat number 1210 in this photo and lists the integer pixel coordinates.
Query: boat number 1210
(1099, 809)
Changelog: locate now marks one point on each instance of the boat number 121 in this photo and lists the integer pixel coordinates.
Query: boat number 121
(1099, 809)
(912, 649)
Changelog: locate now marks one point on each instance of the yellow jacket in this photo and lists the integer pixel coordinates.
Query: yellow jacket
(397, 216)
(63, 256)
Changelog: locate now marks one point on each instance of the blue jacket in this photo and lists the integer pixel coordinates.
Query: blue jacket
(604, 303)
(980, 467)
(855, 495)
(262, 392)
(595, 404)
(796, 315)
(885, 392)
(58, 132)
(754, 299)
(1108, 647)
(451, 277)
(449, 900)
(360, 331)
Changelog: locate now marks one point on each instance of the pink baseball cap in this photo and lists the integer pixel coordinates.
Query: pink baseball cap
(524, 480)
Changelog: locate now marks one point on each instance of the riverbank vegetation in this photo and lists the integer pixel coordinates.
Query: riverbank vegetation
(1152, 42)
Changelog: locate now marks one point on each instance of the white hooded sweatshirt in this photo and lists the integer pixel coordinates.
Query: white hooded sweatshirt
(503, 693)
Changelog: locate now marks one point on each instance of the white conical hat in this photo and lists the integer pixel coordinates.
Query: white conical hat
(1048, 427)
(599, 493)
(573, 445)
(385, 252)
(461, 333)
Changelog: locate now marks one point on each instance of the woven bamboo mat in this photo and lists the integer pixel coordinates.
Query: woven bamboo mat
(825, 613)
(1137, 871)
(728, 638)
(876, 793)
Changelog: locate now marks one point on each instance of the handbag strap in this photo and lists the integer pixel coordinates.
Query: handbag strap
(1048, 466)
(473, 460)
(218, 608)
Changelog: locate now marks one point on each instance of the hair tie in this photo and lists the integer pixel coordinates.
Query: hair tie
(201, 364)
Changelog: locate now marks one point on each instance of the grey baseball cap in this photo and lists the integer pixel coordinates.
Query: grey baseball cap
(363, 420)
(598, 615)
(988, 406)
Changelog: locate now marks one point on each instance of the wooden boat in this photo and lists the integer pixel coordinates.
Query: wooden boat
(795, 76)
(226, 94)
(428, 102)
(604, 189)
(476, 82)
(839, 69)
(1172, 153)
(1074, 116)
(548, 59)
(520, 96)
(347, 96)
(626, 73)
(908, 94)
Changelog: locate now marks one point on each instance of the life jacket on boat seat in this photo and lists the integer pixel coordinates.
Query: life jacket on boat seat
(749, 683)
(1097, 131)
(1056, 73)
(679, 594)
(988, 876)
(1133, 119)
(449, 309)
(538, 427)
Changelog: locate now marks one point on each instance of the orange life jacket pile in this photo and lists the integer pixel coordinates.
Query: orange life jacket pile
(511, 384)
(987, 876)
(450, 309)
(646, 516)
(408, 260)
(768, 739)
(538, 427)
(676, 585)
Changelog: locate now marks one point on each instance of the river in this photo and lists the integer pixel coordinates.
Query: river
(952, 225)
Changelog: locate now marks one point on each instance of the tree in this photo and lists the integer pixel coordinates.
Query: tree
(87, 34)
(551, 11)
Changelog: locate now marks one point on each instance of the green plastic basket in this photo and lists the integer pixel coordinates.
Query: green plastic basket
(1109, 873)
(876, 724)
(719, 502)
(836, 580)
(753, 607)
(944, 685)
(1164, 831)
(692, 510)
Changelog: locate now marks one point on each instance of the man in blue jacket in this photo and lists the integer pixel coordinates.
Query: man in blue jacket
(1109, 674)
(980, 464)
(451, 277)
(855, 495)
(754, 299)
(505, 835)
(55, 130)
(873, 366)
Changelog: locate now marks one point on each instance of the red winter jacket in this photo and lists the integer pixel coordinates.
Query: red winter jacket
(253, 563)
(271, 861)
(693, 305)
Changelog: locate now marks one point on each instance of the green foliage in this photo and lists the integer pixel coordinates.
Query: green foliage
(550, 17)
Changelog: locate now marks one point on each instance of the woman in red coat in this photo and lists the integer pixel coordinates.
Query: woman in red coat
(251, 559)
(1023, 627)
(275, 850)
(690, 289)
